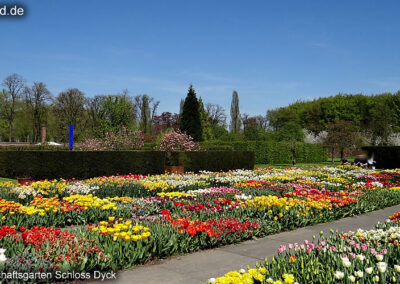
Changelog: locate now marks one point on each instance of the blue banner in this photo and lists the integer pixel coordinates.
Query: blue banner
(71, 137)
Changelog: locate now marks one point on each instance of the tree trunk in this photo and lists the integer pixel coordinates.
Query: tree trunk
(341, 155)
(333, 152)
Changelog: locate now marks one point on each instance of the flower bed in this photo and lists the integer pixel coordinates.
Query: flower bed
(364, 256)
(116, 222)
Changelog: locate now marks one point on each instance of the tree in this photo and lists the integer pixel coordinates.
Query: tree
(69, 108)
(14, 85)
(93, 107)
(341, 135)
(37, 97)
(191, 119)
(164, 121)
(115, 111)
(152, 105)
(205, 122)
(380, 124)
(235, 114)
(252, 130)
(216, 114)
(291, 133)
(145, 119)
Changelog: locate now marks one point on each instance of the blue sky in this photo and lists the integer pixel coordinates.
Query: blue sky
(272, 52)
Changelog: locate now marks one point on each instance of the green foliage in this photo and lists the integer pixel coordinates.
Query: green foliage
(290, 131)
(213, 160)
(270, 152)
(190, 122)
(205, 122)
(235, 114)
(115, 111)
(386, 157)
(87, 164)
(145, 120)
(341, 135)
(79, 164)
(367, 113)
(253, 131)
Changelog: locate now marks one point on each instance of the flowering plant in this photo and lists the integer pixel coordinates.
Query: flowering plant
(177, 141)
(124, 139)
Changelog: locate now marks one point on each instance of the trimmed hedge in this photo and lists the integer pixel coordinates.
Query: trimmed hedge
(79, 164)
(386, 157)
(267, 152)
(82, 164)
(213, 160)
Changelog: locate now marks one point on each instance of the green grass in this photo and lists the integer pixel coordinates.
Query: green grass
(7, 179)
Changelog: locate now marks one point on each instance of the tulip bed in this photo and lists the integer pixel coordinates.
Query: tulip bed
(110, 223)
(364, 256)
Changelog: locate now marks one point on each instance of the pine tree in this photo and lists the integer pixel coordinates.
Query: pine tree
(145, 120)
(190, 118)
(205, 122)
(235, 114)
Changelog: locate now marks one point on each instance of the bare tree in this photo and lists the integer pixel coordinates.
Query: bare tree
(93, 107)
(153, 104)
(37, 98)
(216, 114)
(262, 121)
(69, 108)
(14, 85)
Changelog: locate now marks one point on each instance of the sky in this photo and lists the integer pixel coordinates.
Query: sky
(272, 52)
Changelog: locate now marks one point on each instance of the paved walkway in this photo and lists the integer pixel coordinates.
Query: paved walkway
(200, 266)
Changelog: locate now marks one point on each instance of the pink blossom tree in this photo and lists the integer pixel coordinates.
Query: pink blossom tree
(124, 139)
(177, 141)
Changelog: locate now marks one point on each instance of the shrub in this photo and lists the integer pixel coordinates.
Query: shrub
(269, 152)
(213, 160)
(79, 164)
(124, 139)
(177, 141)
(87, 164)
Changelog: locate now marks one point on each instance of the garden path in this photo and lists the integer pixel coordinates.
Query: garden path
(200, 266)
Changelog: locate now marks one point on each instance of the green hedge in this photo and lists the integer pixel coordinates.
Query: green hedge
(267, 152)
(386, 157)
(213, 160)
(81, 164)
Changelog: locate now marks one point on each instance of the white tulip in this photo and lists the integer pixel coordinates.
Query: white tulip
(339, 275)
(369, 270)
(3, 257)
(381, 266)
(352, 278)
(397, 268)
(379, 257)
(359, 273)
(360, 257)
(346, 262)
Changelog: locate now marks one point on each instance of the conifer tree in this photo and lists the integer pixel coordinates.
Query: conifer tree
(190, 118)
(235, 114)
(205, 122)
